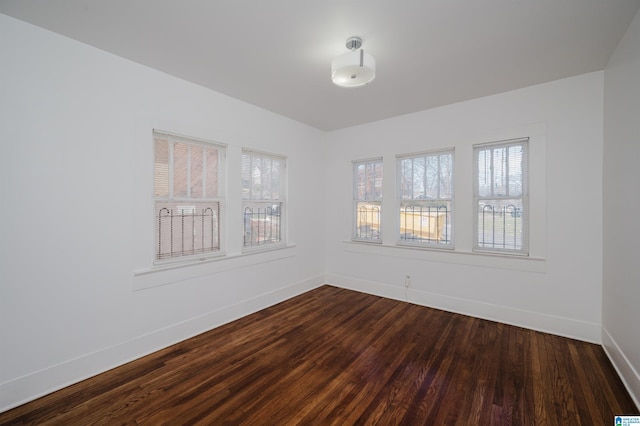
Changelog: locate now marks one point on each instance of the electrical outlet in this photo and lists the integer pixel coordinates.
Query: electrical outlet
(407, 281)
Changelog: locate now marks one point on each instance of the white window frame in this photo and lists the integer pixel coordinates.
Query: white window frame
(505, 213)
(367, 204)
(435, 228)
(212, 207)
(266, 213)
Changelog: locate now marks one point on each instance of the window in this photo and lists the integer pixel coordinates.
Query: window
(187, 196)
(263, 197)
(367, 198)
(426, 199)
(501, 197)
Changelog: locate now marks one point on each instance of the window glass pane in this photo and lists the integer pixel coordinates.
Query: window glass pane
(431, 172)
(502, 205)
(515, 170)
(274, 193)
(367, 221)
(425, 222)
(197, 170)
(360, 179)
(426, 177)
(261, 177)
(246, 176)
(262, 192)
(500, 224)
(262, 223)
(377, 181)
(418, 177)
(161, 168)
(406, 179)
(265, 179)
(426, 216)
(446, 176)
(211, 173)
(484, 173)
(256, 178)
(180, 169)
(186, 228)
(499, 171)
(369, 181)
(185, 172)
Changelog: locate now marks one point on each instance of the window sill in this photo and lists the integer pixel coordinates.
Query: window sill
(165, 274)
(262, 248)
(357, 241)
(443, 255)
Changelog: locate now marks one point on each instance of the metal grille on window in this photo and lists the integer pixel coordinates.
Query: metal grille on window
(262, 224)
(185, 230)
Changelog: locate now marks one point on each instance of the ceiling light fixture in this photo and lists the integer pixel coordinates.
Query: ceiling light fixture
(355, 68)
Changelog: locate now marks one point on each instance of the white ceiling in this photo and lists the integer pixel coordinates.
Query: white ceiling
(277, 53)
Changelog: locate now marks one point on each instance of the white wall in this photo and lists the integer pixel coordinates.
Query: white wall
(559, 289)
(621, 287)
(75, 191)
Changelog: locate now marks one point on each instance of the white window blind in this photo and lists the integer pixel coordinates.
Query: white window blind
(501, 197)
(425, 189)
(263, 199)
(367, 200)
(187, 196)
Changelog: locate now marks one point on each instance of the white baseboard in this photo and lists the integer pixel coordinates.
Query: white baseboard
(566, 327)
(34, 385)
(627, 373)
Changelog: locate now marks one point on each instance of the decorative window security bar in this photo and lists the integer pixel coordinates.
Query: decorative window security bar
(425, 224)
(187, 230)
(368, 222)
(500, 227)
(262, 225)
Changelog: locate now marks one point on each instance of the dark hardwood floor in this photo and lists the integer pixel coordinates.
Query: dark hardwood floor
(333, 356)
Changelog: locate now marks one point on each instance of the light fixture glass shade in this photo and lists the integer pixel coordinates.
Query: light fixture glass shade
(353, 69)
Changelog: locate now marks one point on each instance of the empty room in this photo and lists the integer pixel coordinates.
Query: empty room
(319, 212)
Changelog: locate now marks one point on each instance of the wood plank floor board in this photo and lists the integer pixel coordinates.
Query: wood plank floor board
(334, 356)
